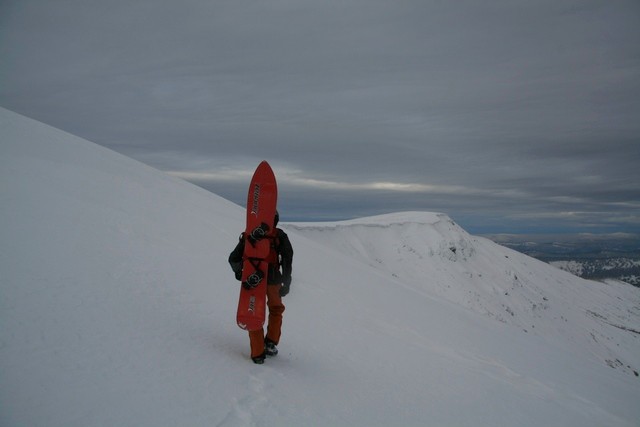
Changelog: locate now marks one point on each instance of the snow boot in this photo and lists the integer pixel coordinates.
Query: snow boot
(270, 348)
(259, 360)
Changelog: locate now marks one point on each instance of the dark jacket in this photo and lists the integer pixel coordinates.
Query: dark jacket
(279, 273)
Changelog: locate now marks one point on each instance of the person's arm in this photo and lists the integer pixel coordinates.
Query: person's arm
(286, 260)
(235, 258)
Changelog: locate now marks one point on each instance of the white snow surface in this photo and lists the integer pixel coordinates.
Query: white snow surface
(118, 308)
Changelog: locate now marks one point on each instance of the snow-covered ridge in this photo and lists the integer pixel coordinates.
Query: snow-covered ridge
(430, 253)
(402, 237)
(118, 308)
(385, 220)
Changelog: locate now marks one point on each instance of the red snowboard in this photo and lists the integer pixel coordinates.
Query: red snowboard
(261, 210)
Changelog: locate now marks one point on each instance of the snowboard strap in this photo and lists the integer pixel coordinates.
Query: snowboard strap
(258, 234)
(256, 277)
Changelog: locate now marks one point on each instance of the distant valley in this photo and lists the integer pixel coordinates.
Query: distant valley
(590, 256)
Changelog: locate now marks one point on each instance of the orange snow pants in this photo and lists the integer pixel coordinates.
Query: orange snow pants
(274, 324)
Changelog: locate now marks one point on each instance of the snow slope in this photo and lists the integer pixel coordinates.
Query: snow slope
(118, 308)
(430, 254)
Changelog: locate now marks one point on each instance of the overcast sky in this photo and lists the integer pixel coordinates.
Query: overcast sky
(509, 115)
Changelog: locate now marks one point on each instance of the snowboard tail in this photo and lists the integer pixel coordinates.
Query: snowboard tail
(261, 208)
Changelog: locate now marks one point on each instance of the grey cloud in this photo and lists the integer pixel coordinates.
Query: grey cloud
(532, 106)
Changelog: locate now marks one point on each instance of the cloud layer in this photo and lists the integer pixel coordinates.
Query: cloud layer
(506, 115)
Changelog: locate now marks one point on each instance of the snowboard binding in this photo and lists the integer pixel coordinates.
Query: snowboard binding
(253, 280)
(256, 277)
(258, 233)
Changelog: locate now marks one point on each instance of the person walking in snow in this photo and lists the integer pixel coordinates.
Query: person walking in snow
(278, 283)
